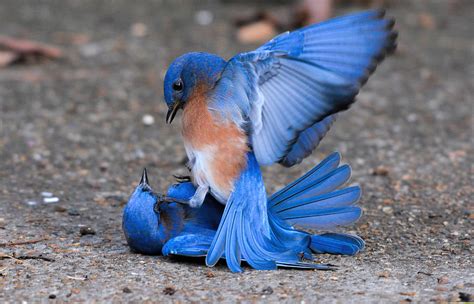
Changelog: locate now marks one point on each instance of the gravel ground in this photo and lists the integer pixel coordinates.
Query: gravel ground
(74, 127)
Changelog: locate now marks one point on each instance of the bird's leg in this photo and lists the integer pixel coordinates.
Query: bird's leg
(195, 202)
(168, 199)
(199, 196)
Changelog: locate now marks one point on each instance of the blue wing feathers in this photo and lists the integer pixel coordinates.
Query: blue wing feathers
(218, 243)
(190, 244)
(298, 79)
(307, 141)
(232, 246)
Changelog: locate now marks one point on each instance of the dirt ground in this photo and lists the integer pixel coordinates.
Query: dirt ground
(74, 127)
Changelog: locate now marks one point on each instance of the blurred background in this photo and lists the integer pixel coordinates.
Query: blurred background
(82, 113)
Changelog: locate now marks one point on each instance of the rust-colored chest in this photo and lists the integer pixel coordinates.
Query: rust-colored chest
(219, 146)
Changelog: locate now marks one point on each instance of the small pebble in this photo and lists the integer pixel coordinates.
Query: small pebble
(459, 286)
(46, 194)
(49, 200)
(267, 291)
(203, 17)
(169, 290)
(73, 212)
(52, 296)
(443, 280)
(410, 294)
(387, 210)
(148, 120)
(139, 29)
(380, 171)
(59, 209)
(86, 231)
(210, 274)
(384, 274)
(127, 290)
(103, 166)
(31, 203)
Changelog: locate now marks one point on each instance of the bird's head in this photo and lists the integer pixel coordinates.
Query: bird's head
(187, 73)
(149, 221)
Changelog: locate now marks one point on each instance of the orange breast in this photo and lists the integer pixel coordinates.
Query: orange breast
(203, 132)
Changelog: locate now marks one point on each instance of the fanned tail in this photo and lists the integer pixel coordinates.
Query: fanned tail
(314, 201)
(317, 201)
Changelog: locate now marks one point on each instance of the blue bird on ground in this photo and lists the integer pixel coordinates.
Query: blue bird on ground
(271, 105)
(156, 224)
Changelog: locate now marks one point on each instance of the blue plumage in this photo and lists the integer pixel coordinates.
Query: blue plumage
(337, 243)
(300, 78)
(274, 105)
(147, 218)
(307, 141)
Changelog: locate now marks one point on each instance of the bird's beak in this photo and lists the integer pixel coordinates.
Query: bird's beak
(144, 179)
(172, 110)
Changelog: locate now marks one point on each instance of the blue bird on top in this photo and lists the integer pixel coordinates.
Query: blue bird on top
(271, 105)
(157, 224)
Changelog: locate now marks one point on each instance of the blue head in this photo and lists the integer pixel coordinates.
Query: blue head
(148, 223)
(187, 73)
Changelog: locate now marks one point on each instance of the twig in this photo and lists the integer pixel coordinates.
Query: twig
(24, 46)
(25, 257)
(76, 278)
(34, 257)
(6, 256)
(18, 243)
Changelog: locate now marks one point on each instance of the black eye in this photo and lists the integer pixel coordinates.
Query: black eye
(178, 85)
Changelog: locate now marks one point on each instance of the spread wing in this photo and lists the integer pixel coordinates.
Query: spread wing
(286, 92)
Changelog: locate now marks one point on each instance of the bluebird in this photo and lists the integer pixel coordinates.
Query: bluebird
(156, 224)
(271, 105)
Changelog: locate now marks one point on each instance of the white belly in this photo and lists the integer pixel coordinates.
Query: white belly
(201, 170)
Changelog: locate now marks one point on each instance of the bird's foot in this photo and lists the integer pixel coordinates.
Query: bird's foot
(198, 198)
(182, 178)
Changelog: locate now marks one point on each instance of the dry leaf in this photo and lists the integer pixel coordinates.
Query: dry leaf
(257, 32)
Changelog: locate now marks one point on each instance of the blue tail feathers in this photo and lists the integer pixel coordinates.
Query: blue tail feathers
(337, 243)
(318, 200)
(315, 200)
